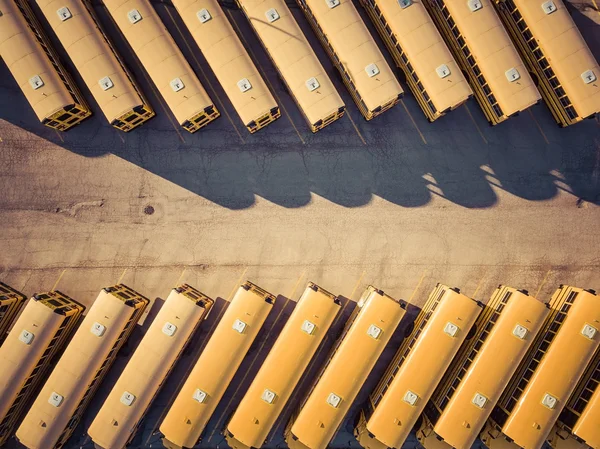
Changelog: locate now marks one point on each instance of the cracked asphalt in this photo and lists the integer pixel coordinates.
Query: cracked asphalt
(455, 201)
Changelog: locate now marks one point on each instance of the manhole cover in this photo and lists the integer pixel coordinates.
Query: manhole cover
(148, 210)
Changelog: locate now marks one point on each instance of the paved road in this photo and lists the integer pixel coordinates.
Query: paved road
(397, 202)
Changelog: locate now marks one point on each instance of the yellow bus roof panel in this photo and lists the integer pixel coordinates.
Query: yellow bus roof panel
(334, 392)
(44, 423)
(356, 49)
(557, 375)
(294, 58)
(227, 57)
(284, 366)
(432, 353)
(25, 58)
(425, 49)
(588, 424)
(85, 45)
(566, 51)
(147, 370)
(490, 372)
(216, 366)
(18, 359)
(161, 58)
(495, 55)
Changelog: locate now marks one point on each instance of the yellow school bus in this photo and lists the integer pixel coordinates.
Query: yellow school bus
(284, 366)
(39, 334)
(10, 303)
(118, 420)
(491, 370)
(295, 61)
(35, 66)
(362, 66)
(363, 340)
(483, 49)
(587, 429)
(548, 374)
(76, 377)
(196, 401)
(163, 61)
(419, 51)
(555, 52)
(229, 60)
(578, 413)
(100, 67)
(398, 400)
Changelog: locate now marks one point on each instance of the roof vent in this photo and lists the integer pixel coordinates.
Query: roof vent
(312, 84)
(474, 5)
(98, 329)
(239, 326)
(134, 16)
(374, 331)
(332, 3)
(520, 332)
(443, 71)
(308, 327)
(549, 7)
(203, 15)
(549, 401)
(106, 83)
(334, 400)
(127, 398)
(36, 82)
(588, 77)
(410, 398)
(199, 396)
(404, 3)
(244, 85)
(64, 13)
(272, 15)
(268, 396)
(372, 70)
(169, 329)
(451, 329)
(26, 337)
(589, 331)
(176, 84)
(512, 75)
(479, 400)
(55, 399)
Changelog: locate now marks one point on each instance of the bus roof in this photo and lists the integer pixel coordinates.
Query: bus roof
(426, 51)
(90, 346)
(116, 422)
(284, 366)
(490, 372)
(433, 348)
(227, 57)
(294, 58)
(92, 56)
(557, 374)
(25, 58)
(495, 55)
(356, 50)
(563, 45)
(217, 365)
(161, 57)
(363, 341)
(17, 358)
(587, 427)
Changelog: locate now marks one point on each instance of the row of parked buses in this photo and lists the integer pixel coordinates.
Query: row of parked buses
(516, 372)
(505, 53)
